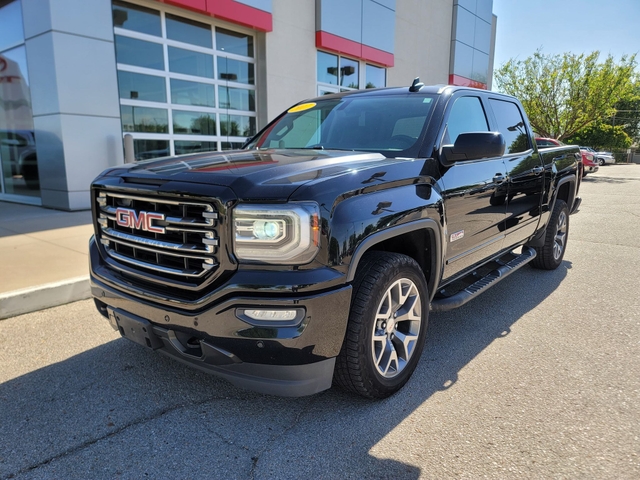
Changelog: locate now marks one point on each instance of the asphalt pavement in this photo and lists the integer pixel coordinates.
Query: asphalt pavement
(539, 377)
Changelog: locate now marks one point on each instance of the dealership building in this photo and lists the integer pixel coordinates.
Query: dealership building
(82, 79)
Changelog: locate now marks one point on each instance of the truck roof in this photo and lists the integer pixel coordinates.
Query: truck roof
(437, 89)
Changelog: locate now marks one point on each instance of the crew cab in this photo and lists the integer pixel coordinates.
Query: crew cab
(314, 255)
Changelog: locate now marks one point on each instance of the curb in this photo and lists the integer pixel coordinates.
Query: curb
(49, 295)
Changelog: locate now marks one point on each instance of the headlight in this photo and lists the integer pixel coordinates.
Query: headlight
(282, 234)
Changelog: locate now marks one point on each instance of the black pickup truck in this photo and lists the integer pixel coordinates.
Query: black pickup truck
(314, 255)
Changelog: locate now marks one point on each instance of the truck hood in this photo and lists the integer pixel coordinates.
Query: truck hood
(252, 174)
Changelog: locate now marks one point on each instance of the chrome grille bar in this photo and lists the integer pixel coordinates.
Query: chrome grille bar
(158, 268)
(182, 242)
(115, 235)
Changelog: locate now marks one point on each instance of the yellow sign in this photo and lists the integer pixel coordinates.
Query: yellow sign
(301, 108)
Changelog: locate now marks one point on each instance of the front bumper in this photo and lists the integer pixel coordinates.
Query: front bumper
(288, 359)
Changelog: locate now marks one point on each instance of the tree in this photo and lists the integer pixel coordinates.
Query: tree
(563, 94)
(618, 131)
(602, 135)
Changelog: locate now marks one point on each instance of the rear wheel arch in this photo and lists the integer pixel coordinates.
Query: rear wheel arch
(565, 190)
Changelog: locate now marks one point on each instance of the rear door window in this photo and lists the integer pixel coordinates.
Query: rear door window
(511, 126)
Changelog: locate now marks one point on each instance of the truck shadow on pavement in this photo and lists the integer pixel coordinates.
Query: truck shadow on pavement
(118, 410)
(601, 179)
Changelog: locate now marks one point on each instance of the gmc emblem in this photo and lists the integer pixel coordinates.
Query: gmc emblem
(125, 217)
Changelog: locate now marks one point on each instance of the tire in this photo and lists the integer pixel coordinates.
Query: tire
(550, 255)
(601, 162)
(381, 347)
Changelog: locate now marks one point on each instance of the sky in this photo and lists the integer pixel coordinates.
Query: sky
(558, 26)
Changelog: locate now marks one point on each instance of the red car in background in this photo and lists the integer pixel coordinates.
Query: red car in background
(542, 142)
(589, 162)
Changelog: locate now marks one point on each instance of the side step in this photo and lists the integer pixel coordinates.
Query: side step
(489, 280)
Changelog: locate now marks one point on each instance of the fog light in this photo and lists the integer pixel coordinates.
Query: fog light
(274, 315)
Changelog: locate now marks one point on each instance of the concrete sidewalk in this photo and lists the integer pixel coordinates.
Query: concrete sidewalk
(43, 257)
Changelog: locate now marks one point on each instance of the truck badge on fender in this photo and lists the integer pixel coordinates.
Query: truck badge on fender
(457, 235)
(125, 217)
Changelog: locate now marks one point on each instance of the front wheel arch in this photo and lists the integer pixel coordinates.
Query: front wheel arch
(380, 241)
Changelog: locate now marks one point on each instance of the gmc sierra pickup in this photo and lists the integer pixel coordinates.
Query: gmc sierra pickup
(313, 255)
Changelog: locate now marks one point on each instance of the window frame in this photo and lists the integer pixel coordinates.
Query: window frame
(323, 88)
(216, 111)
(525, 126)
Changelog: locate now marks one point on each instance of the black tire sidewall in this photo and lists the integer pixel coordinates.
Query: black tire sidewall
(370, 371)
(549, 261)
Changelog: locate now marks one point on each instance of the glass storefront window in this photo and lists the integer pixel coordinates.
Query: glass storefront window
(349, 73)
(132, 51)
(18, 155)
(375, 77)
(190, 63)
(231, 145)
(327, 68)
(11, 30)
(144, 119)
(194, 123)
(183, 147)
(340, 74)
(137, 86)
(235, 70)
(146, 149)
(173, 95)
(237, 125)
(234, 42)
(237, 98)
(136, 18)
(184, 92)
(188, 31)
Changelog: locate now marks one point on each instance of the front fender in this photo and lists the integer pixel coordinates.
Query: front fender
(428, 225)
(361, 222)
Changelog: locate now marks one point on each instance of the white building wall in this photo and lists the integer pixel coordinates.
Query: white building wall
(74, 92)
(423, 42)
(290, 56)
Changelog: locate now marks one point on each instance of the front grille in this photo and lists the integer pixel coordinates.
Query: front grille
(166, 238)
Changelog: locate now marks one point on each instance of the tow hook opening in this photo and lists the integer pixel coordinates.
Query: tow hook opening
(186, 344)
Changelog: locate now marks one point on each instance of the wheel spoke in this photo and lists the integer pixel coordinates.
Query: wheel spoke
(397, 326)
(404, 344)
(389, 363)
(408, 310)
(379, 344)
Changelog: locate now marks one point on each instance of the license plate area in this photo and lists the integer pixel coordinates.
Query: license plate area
(135, 329)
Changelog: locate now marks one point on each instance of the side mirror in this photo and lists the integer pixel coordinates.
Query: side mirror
(474, 145)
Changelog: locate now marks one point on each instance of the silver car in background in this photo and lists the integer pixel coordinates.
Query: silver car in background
(601, 158)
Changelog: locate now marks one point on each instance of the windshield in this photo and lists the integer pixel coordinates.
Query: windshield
(389, 124)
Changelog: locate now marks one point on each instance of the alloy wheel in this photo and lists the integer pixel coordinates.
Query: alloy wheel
(396, 328)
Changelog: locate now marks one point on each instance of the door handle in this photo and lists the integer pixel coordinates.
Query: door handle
(499, 178)
(538, 170)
